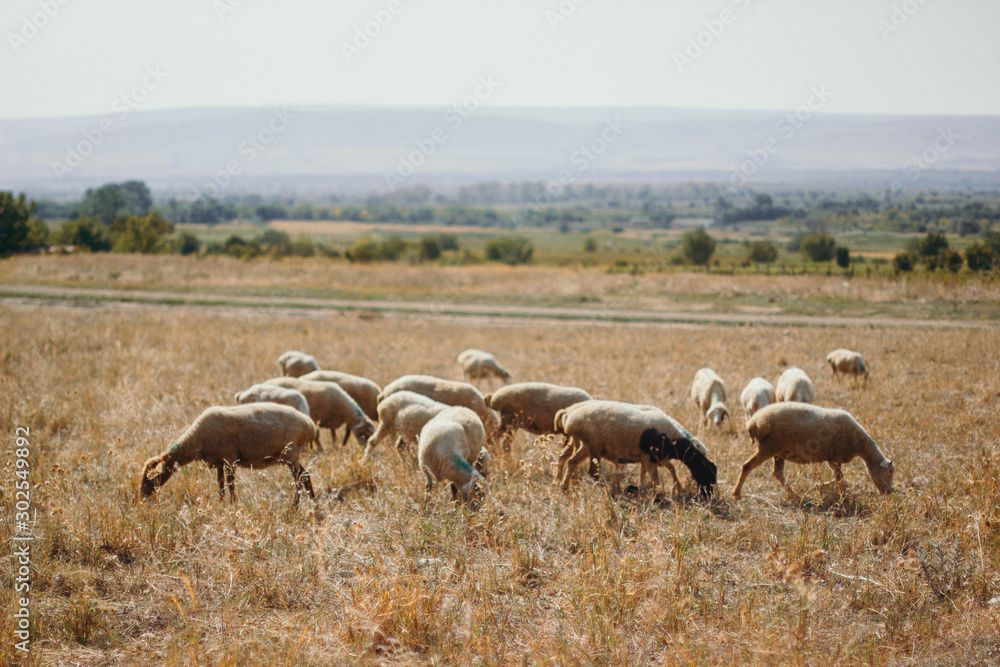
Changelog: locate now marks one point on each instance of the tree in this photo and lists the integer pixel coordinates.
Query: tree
(902, 262)
(392, 249)
(931, 245)
(510, 250)
(15, 214)
(843, 257)
(105, 203)
(187, 243)
(84, 232)
(136, 197)
(146, 234)
(762, 252)
(364, 250)
(697, 246)
(589, 244)
(430, 249)
(819, 247)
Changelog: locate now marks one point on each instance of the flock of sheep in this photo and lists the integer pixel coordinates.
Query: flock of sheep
(450, 423)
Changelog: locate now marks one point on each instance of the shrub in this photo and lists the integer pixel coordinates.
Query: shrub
(392, 249)
(843, 257)
(902, 262)
(146, 234)
(697, 246)
(510, 250)
(303, 246)
(186, 243)
(980, 257)
(430, 249)
(819, 247)
(589, 244)
(15, 214)
(84, 232)
(447, 241)
(364, 250)
(762, 252)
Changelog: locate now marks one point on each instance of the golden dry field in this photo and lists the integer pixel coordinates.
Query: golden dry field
(374, 573)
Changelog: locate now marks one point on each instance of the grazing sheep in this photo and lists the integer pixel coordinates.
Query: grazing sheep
(294, 363)
(449, 445)
(331, 406)
(404, 413)
(803, 433)
(708, 392)
(257, 435)
(531, 406)
(628, 433)
(361, 389)
(847, 362)
(449, 392)
(477, 364)
(271, 393)
(757, 394)
(794, 385)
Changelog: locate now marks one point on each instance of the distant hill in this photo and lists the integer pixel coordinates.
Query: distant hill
(311, 149)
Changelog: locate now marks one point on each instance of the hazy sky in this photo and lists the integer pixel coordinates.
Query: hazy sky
(75, 57)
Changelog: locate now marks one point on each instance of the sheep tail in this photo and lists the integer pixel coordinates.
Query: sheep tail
(487, 398)
(559, 421)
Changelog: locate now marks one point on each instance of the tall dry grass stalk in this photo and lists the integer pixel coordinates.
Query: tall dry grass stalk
(373, 573)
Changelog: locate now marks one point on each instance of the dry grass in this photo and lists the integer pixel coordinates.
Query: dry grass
(374, 574)
(940, 297)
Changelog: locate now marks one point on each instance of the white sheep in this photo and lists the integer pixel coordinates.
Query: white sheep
(449, 446)
(757, 394)
(629, 433)
(847, 362)
(271, 393)
(403, 413)
(804, 433)
(361, 389)
(331, 407)
(794, 385)
(708, 392)
(531, 406)
(294, 363)
(478, 364)
(449, 392)
(257, 435)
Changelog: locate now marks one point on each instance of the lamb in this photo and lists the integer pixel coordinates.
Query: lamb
(257, 435)
(757, 394)
(708, 392)
(331, 406)
(270, 393)
(804, 433)
(477, 364)
(531, 406)
(449, 392)
(361, 389)
(294, 363)
(448, 445)
(794, 385)
(628, 433)
(405, 413)
(847, 362)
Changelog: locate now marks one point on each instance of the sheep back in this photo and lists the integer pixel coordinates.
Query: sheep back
(533, 405)
(794, 385)
(364, 391)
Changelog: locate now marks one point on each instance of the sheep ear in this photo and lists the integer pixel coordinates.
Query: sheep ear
(886, 464)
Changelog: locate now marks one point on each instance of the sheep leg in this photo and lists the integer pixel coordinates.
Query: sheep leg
(222, 481)
(838, 474)
(779, 471)
(347, 435)
(673, 473)
(377, 437)
(428, 482)
(572, 455)
(750, 464)
(302, 482)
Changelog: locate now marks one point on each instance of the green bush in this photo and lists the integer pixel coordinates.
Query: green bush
(15, 214)
(902, 262)
(392, 249)
(186, 243)
(980, 257)
(364, 250)
(589, 244)
(430, 249)
(84, 232)
(843, 257)
(303, 246)
(697, 247)
(510, 250)
(146, 234)
(762, 252)
(818, 247)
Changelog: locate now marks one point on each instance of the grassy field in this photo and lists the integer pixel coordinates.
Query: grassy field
(938, 297)
(374, 573)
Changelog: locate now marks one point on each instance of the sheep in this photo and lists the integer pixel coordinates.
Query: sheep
(294, 363)
(405, 413)
(757, 394)
(804, 433)
(708, 392)
(257, 435)
(361, 389)
(847, 362)
(331, 406)
(448, 446)
(477, 364)
(449, 392)
(794, 385)
(628, 433)
(531, 406)
(270, 393)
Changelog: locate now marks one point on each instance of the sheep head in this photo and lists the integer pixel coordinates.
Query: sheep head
(719, 414)
(363, 430)
(472, 494)
(882, 474)
(155, 473)
(482, 464)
